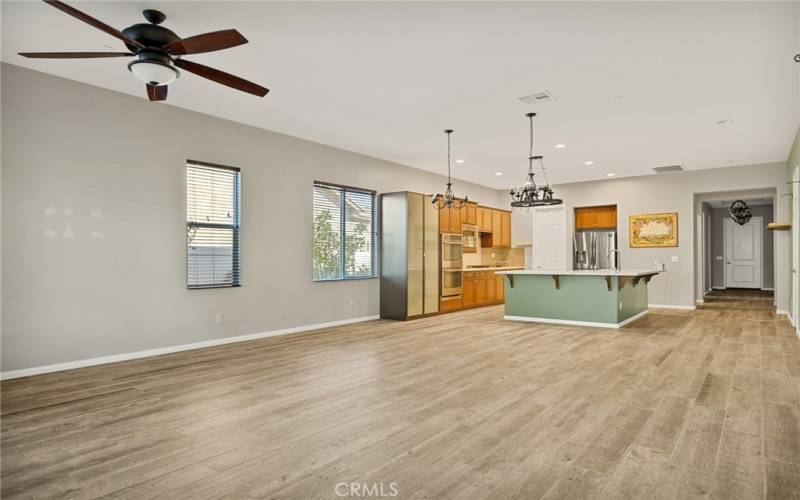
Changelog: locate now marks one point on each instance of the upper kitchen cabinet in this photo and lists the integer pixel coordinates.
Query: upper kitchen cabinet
(483, 218)
(505, 228)
(501, 228)
(469, 213)
(495, 226)
(602, 217)
(450, 220)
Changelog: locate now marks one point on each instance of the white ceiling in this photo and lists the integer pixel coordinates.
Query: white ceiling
(385, 79)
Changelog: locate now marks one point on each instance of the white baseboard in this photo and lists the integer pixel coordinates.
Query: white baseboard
(699, 301)
(116, 358)
(720, 288)
(667, 306)
(768, 289)
(576, 323)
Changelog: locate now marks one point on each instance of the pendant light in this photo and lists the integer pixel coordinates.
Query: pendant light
(530, 195)
(740, 212)
(448, 199)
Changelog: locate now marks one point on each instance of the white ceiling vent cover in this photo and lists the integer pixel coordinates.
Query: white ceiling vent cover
(538, 97)
(668, 169)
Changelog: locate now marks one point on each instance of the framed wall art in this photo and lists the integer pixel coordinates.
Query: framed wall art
(653, 230)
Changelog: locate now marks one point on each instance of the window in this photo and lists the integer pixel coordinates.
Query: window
(212, 225)
(344, 233)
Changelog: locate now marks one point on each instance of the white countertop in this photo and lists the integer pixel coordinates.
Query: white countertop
(587, 272)
(499, 268)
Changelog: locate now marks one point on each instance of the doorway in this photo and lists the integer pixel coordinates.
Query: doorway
(711, 239)
(743, 255)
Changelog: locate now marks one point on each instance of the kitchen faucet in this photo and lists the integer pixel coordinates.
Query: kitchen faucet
(617, 256)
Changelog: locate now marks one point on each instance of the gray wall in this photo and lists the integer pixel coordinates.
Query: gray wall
(68, 145)
(718, 217)
(675, 193)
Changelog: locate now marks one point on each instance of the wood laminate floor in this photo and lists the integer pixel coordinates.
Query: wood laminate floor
(680, 404)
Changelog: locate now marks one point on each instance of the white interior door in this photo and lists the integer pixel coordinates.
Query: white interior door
(550, 238)
(743, 248)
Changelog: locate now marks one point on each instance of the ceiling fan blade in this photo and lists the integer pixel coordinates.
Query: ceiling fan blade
(207, 42)
(157, 92)
(72, 11)
(73, 55)
(221, 77)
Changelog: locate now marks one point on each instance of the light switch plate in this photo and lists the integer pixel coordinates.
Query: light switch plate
(674, 258)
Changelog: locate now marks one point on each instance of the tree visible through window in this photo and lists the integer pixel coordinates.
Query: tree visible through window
(344, 233)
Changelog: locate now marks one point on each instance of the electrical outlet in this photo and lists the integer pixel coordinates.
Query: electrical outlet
(620, 305)
(220, 317)
(352, 302)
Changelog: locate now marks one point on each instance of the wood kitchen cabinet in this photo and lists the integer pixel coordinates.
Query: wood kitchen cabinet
(481, 288)
(496, 227)
(469, 213)
(602, 217)
(484, 219)
(505, 229)
(450, 220)
(500, 288)
(468, 290)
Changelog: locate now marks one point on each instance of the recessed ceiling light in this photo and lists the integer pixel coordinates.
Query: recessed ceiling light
(588, 162)
(498, 174)
(725, 121)
(459, 161)
(560, 146)
(611, 174)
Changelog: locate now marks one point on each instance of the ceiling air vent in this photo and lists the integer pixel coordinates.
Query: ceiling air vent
(538, 97)
(668, 169)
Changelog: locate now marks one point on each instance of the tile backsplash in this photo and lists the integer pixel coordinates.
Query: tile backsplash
(491, 256)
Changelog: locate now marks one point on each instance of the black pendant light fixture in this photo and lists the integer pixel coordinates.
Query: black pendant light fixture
(740, 212)
(448, 199)
(530, 195)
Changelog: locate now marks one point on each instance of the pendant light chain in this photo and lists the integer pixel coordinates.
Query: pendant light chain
(448, 199)
(448, 156)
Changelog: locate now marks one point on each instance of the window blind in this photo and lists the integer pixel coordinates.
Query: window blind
(213, 229)
(344, 232)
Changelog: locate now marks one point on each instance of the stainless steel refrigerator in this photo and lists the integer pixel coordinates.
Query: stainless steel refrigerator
(594, 249)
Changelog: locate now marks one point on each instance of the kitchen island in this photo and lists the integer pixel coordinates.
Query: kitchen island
(602, 297)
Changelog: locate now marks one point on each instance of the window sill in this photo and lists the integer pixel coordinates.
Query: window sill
(354, 278)
(204, 287)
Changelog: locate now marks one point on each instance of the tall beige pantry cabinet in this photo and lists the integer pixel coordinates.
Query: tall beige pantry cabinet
(409, 248)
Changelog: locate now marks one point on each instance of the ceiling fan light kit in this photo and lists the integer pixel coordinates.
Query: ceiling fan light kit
(158, 51)
(152, 70)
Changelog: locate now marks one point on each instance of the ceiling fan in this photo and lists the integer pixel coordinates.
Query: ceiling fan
(158, 51)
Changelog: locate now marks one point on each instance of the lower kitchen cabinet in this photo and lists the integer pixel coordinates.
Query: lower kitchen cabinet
(499, 282)
(481, 288)
(450, 304)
